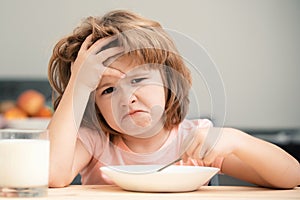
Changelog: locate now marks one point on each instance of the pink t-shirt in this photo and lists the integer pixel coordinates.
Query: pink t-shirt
(106, 153)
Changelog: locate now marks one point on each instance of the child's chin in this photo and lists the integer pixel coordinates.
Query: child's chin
(138, 125)
(140, 132)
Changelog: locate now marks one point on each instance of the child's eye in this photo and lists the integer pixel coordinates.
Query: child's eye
(109, 90)
(137, 80)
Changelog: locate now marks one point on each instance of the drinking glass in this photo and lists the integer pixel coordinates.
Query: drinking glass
(24, 163)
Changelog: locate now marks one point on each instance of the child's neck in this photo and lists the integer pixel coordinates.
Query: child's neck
(146, 145)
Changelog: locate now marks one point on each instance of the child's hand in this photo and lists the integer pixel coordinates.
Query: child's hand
(88, 67)
(210, 144)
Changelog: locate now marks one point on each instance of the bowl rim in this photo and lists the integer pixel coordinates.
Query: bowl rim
(170, 169)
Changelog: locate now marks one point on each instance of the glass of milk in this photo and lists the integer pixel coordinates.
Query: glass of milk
(24, 163)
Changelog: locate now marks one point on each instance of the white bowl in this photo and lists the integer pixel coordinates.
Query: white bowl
(171, 179)
(28, 123)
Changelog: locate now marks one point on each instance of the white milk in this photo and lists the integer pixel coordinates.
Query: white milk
(24, 162)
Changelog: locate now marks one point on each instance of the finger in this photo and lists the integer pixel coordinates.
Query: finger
(110, 55)
(109, 71)
(184, 157)
(86, 42)
(99, 44)
(210, 157)
(112, 59)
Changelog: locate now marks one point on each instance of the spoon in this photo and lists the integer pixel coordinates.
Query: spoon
(186, 143)
(167, 165)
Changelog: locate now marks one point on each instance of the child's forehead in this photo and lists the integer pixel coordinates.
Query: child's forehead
(132, 72)
(128, 64)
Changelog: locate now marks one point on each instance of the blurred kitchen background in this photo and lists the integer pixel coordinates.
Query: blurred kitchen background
(254, 44)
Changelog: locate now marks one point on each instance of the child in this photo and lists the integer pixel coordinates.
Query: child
(121, 96)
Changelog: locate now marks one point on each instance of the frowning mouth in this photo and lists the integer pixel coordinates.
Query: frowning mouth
(134, 112)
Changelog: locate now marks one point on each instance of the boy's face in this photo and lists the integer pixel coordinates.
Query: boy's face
(133, 105)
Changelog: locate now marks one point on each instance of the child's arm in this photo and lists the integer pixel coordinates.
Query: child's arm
(67, 154)
(63, 130)
(261, 162)
(249, 158)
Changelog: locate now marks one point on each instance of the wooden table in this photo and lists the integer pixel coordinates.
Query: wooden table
(101, 192)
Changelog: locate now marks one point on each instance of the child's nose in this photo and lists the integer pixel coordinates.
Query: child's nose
(127, 96)
(132, 99)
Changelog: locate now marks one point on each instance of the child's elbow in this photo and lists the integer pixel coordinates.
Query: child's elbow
(294, 175)
(287, 185)
(57, 183)
(295, 182)
(290, 179)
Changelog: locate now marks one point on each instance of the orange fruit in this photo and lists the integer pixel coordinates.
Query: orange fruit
(14, 113)
(31, 101)
(45, 111)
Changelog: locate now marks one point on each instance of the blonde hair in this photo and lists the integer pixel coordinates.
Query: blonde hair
(142, 39)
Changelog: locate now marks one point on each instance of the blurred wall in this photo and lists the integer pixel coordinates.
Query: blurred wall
(255, 45)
